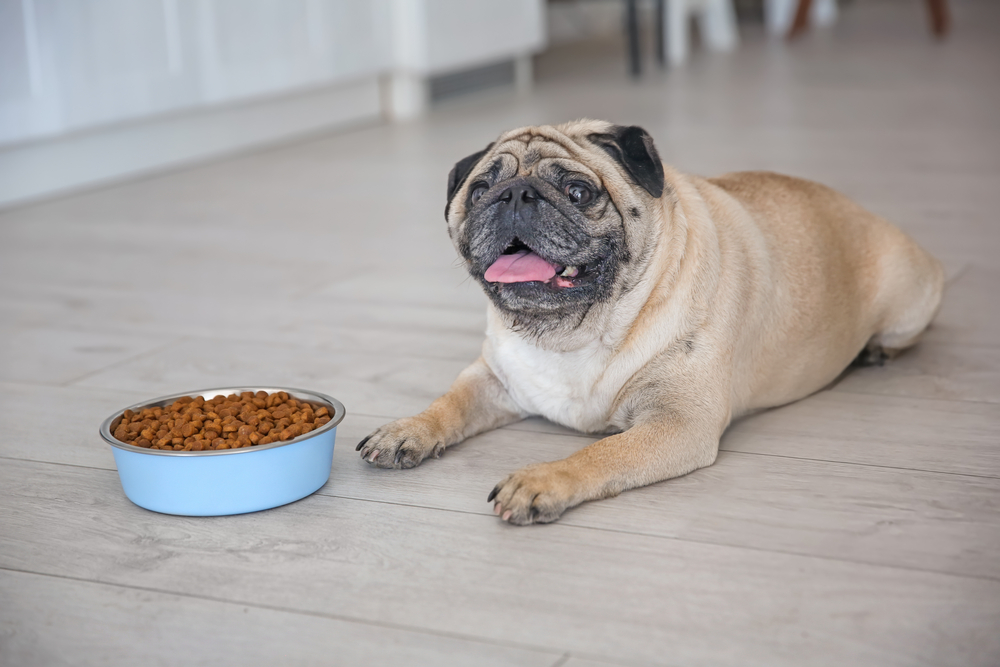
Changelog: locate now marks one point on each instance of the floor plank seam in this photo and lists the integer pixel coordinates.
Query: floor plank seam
(971, 401)
(727, 451)
(860, 464)
(675, 538)
(785, 552)
(146, 353)
(561, 661)
(304, 612)
(569, 523)
(57, 463)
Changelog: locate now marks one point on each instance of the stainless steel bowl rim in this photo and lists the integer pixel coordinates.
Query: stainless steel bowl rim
(305, 394)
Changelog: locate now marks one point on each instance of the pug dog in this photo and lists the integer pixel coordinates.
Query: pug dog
(630, 300)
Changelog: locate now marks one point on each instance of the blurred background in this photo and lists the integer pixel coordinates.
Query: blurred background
(98, 90)
(204, 193)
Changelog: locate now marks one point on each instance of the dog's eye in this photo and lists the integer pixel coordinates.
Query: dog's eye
(578, 193)
(478, 190)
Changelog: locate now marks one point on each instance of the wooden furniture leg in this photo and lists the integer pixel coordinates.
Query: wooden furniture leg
(801, 21)
(661, 40)
(632, 26)
(940, 18)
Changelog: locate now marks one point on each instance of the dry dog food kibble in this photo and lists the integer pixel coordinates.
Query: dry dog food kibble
(224, 422)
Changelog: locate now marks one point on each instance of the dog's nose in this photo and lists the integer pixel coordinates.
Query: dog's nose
(520, 196)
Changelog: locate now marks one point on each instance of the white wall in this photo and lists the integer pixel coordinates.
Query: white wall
(72, 64)
(96, 90)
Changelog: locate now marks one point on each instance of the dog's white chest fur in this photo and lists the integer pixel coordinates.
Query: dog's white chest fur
(569, 388)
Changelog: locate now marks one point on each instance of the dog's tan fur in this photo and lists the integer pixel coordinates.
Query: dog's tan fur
(751, 290)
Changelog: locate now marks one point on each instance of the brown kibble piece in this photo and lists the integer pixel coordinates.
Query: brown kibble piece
(221, 422)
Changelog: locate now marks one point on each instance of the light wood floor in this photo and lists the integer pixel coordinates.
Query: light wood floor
(860, 526)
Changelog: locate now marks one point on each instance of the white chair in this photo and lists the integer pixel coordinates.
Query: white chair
(716, 20)
(779, 14)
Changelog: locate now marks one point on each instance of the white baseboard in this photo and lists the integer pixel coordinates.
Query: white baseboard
(42, 169)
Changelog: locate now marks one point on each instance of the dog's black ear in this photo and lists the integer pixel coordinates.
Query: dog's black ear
(633, 148)
(460, 172)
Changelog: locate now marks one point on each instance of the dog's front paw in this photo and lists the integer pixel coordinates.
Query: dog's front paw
(538, 493)
(403, 443)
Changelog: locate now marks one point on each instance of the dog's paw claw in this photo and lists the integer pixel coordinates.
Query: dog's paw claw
(536, 494)
(402, 444)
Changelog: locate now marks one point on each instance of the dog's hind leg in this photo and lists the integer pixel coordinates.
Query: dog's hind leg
(913, 283)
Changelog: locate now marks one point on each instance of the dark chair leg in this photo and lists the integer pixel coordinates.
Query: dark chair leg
(940, 18)
(801, 22)
(632, 26)
(661, 38)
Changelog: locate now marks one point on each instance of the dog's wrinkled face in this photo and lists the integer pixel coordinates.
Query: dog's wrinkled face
(541, 217)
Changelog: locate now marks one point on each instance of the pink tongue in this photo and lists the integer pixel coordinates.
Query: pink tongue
(521, 267)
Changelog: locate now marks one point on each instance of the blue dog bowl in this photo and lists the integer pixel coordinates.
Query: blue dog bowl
(227, 481)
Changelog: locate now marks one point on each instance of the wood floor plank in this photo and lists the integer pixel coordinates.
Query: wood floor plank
(969, 315)
(575, 661)
(34, 433)
(369, 382)
(948, 371)
(59, 355)
(305, 319)
(933, 521)
(919, 433)
(913, 433)
(451, 572)
(55, 621)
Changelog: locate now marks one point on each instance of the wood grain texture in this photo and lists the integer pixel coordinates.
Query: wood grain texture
(913, 433)
(382, 563)
(954, 372)
(56, 621)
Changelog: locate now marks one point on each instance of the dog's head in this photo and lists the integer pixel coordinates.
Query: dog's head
(551, 219)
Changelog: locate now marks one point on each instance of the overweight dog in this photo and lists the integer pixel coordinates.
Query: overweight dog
(632, 300)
